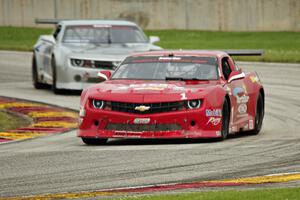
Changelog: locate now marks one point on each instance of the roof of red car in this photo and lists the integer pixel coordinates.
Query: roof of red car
(182, 53)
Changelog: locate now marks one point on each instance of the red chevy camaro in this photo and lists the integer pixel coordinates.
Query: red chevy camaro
(172, 94)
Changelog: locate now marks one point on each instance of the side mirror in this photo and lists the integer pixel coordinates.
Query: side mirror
(104, 75)
(235, 75)
(154, 39)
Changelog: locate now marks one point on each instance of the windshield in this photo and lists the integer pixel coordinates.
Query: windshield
(168, 68)
(103, 34)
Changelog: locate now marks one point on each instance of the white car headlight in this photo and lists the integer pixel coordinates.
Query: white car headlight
(77, 62)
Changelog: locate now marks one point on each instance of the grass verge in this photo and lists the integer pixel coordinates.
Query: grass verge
(263, 194)
(10, 122)
(278, 46)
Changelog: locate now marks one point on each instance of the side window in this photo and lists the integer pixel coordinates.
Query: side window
(57, 31)
(226, 68)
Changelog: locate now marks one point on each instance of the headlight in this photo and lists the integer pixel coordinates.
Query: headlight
(77, 62)
(98, 104)
(194, 104)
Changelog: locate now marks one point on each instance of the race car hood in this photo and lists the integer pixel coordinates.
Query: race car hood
(114, 52)
(151, 91)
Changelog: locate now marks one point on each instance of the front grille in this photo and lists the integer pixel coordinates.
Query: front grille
(104, 65)
(150, 107)
(142, 127)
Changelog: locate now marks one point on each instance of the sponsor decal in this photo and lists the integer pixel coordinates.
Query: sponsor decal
(242, 108)
(246, 127)
(151, 86)
(243, 99)
(254, 79)
(251, 124)
(169, 58)
(213, 112)
(234, 129)
(240, 94)
(242, 115)
(142, 108)
(102, 26)
(214, 121)
(218, 133)
(141, 121)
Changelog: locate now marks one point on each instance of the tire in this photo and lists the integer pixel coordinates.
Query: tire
(94, 141)
(259, 116)
(225, 120)
(54, 77)
(35, 78)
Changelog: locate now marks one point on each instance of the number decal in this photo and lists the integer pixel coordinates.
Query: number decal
(183, 97)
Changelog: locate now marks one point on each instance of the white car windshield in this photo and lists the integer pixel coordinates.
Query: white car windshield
(168, 68)
(103, 34)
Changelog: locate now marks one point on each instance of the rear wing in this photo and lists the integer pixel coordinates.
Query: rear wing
(47, 21)
(245, 52)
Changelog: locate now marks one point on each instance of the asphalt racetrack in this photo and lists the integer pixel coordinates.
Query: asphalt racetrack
(62, 163)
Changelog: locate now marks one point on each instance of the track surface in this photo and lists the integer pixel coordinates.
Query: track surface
(61, 163)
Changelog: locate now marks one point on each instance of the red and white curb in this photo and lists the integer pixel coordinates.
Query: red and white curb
(275, 178)
(46, 119)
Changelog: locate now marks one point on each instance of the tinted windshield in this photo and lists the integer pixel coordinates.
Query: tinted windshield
(103, 34)
(168, 68)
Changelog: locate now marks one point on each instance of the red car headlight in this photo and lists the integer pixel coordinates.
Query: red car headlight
(194, 104)
(97, 104)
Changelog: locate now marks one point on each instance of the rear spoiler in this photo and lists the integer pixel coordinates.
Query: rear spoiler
(47, 21)
(245, 52)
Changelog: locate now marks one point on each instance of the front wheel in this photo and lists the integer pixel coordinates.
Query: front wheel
(260, 111)
(94, 141)
(35, 77)
(225, 120)
(54, 77)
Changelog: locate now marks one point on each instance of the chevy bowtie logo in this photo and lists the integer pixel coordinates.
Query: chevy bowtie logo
(142, 108)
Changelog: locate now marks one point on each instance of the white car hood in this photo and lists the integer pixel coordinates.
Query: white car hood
(107, 51)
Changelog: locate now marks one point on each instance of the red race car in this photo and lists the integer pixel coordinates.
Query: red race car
(173, 94)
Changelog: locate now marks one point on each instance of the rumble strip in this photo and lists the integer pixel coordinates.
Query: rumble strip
(46, 119)
(273, 178)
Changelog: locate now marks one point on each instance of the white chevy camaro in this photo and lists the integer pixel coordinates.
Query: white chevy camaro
(79, 49)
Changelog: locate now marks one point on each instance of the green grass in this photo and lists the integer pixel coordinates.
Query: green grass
(11, 122)
(21, 39)
(258, 194)
(278, 46)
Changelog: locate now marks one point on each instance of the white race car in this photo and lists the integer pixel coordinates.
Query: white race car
(79, 49)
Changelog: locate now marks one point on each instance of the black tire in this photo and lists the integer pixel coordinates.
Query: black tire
(54, 77)
(225, 120)
(94, 141)
(259, 116)
(35, 78)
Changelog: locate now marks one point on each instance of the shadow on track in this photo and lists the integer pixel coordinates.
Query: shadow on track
(140, 142)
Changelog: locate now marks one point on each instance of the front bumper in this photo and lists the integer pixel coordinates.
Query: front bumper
(178, 124)
(76, 78)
